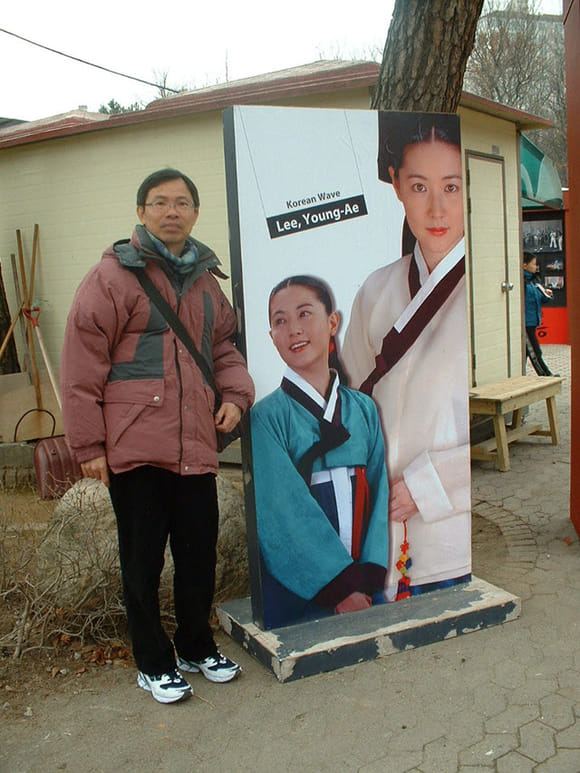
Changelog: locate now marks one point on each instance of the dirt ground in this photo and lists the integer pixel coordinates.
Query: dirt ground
(74, 665)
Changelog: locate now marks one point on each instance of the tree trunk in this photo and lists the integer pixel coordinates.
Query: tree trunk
(425, 55)
(9, 361)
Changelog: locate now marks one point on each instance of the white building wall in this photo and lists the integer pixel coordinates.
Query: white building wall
(81, 191)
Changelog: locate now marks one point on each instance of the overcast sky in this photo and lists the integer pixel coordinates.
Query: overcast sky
(195, 43)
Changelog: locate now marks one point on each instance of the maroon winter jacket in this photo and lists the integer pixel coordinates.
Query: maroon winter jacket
(130, 388)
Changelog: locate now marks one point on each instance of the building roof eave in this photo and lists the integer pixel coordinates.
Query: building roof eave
(52, 127)
(315, 78)
(524, 121)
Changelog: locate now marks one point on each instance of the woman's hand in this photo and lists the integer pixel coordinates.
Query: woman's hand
(401, 504)
(227, 417)
(353, 603)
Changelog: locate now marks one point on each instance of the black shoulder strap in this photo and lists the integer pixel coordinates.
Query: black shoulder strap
(175, 324)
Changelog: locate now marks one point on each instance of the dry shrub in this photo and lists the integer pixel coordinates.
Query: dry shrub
(65, 584)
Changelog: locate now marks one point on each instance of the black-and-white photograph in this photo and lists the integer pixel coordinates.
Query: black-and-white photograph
(543, 235)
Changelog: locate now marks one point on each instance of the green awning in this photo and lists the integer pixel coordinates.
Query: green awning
(541, 186)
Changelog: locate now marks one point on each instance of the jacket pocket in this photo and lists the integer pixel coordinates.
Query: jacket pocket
(125, 401)
(118, 418)
(210, 397)
(140, 392)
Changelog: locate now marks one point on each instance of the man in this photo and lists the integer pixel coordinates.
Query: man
(139, 416)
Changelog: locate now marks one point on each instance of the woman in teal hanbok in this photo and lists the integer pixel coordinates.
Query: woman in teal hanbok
(319, 471)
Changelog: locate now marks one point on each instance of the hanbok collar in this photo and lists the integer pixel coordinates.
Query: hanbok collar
(429, 281)
(332, 431)
(328, 405)
(427, 301)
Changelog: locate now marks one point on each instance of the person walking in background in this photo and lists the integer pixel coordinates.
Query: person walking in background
(536, 295)
(140, 417)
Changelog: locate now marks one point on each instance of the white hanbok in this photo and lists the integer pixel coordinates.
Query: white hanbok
(423, 405)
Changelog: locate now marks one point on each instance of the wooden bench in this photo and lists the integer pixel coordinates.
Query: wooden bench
(512, 396)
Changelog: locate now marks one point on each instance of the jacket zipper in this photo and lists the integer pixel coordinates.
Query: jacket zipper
(176, 345)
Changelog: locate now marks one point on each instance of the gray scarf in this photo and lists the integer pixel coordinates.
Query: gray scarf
(182, 264)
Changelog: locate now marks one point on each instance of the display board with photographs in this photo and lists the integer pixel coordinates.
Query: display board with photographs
(544, 237)
(357, 464)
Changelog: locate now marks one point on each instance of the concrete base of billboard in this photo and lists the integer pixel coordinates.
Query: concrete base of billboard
(322, 645)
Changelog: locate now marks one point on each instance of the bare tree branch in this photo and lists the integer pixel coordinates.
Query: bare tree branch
(518, 60)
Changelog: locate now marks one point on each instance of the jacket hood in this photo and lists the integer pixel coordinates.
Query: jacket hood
(136, 251)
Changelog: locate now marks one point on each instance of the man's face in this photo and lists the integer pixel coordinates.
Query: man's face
(167, 216)
(429, 185)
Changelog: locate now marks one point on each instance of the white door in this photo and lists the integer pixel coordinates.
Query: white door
(490, 287)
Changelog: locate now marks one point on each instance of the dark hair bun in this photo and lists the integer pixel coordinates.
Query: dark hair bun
(398, 130)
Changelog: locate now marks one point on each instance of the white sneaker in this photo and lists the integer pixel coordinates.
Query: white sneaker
(216, 668)
(165, 688)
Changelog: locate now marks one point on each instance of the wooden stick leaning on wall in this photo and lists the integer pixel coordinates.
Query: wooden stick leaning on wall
(29, 333)
(33, 268)
(28, 315)
(11, 330)
(32, 314)
(21, 303)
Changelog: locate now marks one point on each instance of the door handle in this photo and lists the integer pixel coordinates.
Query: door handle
(507, 287)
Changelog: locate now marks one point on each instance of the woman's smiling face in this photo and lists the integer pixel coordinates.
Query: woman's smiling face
(301, 328)
(429, 184)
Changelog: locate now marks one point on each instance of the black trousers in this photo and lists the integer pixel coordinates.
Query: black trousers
(152, 506)
(534, 352)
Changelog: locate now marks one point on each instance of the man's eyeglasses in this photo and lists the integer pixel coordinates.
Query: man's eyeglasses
(160, 207)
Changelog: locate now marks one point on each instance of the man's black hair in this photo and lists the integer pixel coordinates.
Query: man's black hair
(163, 176)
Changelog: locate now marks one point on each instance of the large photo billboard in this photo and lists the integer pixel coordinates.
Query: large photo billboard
(349, 274)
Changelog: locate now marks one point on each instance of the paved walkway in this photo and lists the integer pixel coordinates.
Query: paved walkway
(506, 699)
